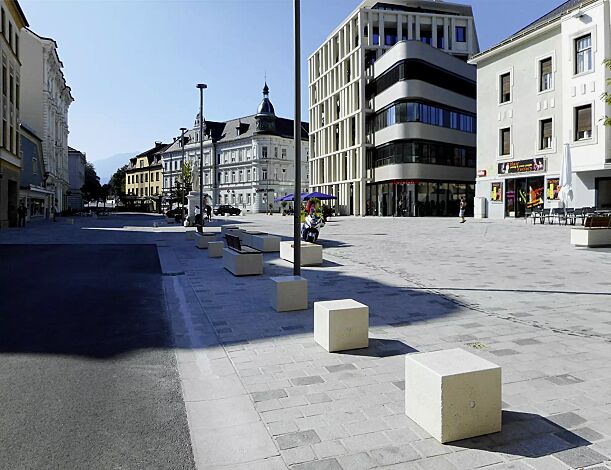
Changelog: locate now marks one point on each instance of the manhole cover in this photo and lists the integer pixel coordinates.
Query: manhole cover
(477, 345)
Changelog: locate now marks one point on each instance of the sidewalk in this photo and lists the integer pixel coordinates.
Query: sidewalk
(260, 393)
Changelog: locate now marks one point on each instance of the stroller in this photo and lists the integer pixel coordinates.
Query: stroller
(311, 227)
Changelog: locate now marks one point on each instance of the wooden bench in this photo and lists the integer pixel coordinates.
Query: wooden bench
(596, 232)
(241, 260)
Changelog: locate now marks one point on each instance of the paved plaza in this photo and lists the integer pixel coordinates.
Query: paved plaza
(259, 393)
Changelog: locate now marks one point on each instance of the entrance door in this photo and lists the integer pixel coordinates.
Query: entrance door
(603, 193)
(521, 194)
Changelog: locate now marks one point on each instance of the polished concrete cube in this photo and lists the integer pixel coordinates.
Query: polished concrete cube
(202, 240)
(242, 264)
(215, 249)
(581, 236)
(246, 236)
(289, 293)
(453, 394)
(340, 325)
(311, 253)
(265, 243)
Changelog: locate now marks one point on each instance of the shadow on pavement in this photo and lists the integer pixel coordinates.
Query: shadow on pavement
(382, 348)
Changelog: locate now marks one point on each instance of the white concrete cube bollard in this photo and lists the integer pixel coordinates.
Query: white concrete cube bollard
(340, 325)
(215, 249)
(265, 243)
(581, 236)
(242, 264)
(311, 253)
(203, 239)
(290, 293)
(453, 394)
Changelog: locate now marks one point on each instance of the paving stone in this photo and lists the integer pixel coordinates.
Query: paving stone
(296, 439)
(282, 427)
(327, 464)
(340, 367)
(504, 352)
(313, 379)
(567, 420)
(435, 463)
(328, 449)
(296, 455)
(564, 379)
(580, 457)
(394, 454)
(268, 395)
(318, 398)
(360, 461)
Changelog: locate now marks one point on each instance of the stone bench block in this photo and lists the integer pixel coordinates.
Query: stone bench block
(242, 264)
(202, 240)
(581, 236)
(226, 228)
(290, 293)
(265, 243)
(453, 394)
(311, 253)
(190, 235)
(246, 236)
(215, 249)
(340, 325)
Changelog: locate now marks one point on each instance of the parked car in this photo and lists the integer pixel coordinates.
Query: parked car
(225, 209)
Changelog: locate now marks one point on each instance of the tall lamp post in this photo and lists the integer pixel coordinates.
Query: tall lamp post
(297, 138)
(202, 87)
(182, 174)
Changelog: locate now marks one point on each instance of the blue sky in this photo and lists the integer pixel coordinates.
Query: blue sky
(133, 64)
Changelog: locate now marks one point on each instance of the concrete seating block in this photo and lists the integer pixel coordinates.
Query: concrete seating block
(242, 264)
(190, 235)
(202, 240)
(590, 237)
(453, 394)
(265, 243)
(290, 293)
(225, 228)
(340, 325)
(215, 249)
(169, 220)
(311, 253)
(246, 236)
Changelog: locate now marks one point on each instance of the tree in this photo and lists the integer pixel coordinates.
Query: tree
(91, 188)
(104, 193)
(117, 182)
(187, 176)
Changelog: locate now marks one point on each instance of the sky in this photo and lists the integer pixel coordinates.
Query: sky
(133, 65)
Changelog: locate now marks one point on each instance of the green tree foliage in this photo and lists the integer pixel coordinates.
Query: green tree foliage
(606, 96)
(91, 188)
(187, 176)
(117, 182)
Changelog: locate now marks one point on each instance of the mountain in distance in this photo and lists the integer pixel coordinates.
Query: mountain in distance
(106, 167)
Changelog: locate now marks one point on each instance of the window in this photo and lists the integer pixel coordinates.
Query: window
(146, 177)
(505, 141)
(3, 22)
(545, 74)
(263, 173)
(505, 87)
(157, 177)
(583, 54)
(461, 34)
(247, 175)
(583, 122)
(137, 179)
(146, 191)
(275, 152)
(4, 81)
(283, 153)
(248, 198)
(263, 152)
(546, 134)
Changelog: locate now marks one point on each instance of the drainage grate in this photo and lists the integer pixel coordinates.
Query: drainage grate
(477, 345)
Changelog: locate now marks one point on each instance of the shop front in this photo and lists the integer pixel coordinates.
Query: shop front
(418, 198)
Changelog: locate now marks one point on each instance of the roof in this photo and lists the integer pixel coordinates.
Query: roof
(150, 154)
(555, 15)
(19, 11)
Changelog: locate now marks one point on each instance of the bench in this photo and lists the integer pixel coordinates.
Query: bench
(311, 253)
(596, 232)
(265, 243)
(241, 260)
(453, 394)
(246, 236)
(227, 228)
(215, 249)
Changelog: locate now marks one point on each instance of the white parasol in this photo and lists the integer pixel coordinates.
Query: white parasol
(566, 177)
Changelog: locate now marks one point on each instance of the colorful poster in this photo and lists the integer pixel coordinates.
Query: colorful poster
(553, 189)
(522, 166)
(496, 192)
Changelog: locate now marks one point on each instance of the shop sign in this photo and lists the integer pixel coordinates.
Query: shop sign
(553, 189)
(482, 173)
(405, 182)
(522, 166)
(263, 190)
(496, 192)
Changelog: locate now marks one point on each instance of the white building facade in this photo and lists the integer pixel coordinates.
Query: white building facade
(538, 91)
(340, 70)
(12, 23)
(45, 101)
(247, 162)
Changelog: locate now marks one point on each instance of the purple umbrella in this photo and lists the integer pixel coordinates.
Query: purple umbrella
(316, 194)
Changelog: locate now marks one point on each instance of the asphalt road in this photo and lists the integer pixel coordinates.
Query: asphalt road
(87, 375)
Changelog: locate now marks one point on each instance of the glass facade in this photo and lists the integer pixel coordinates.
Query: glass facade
(411, 111)
(408, 198)
(432, 153)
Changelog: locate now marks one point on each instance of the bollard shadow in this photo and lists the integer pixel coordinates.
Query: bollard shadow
(526, 435)
(379, 347)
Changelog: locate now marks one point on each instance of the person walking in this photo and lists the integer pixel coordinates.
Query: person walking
(461, 212)
(198, 216)
(21, 212)
(208, 212)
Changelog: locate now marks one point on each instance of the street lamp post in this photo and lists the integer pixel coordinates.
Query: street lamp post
(297, 138)
(182, 174)
(202, 87)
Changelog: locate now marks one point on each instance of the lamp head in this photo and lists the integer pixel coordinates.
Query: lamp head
(183, 129)
(202, 86)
